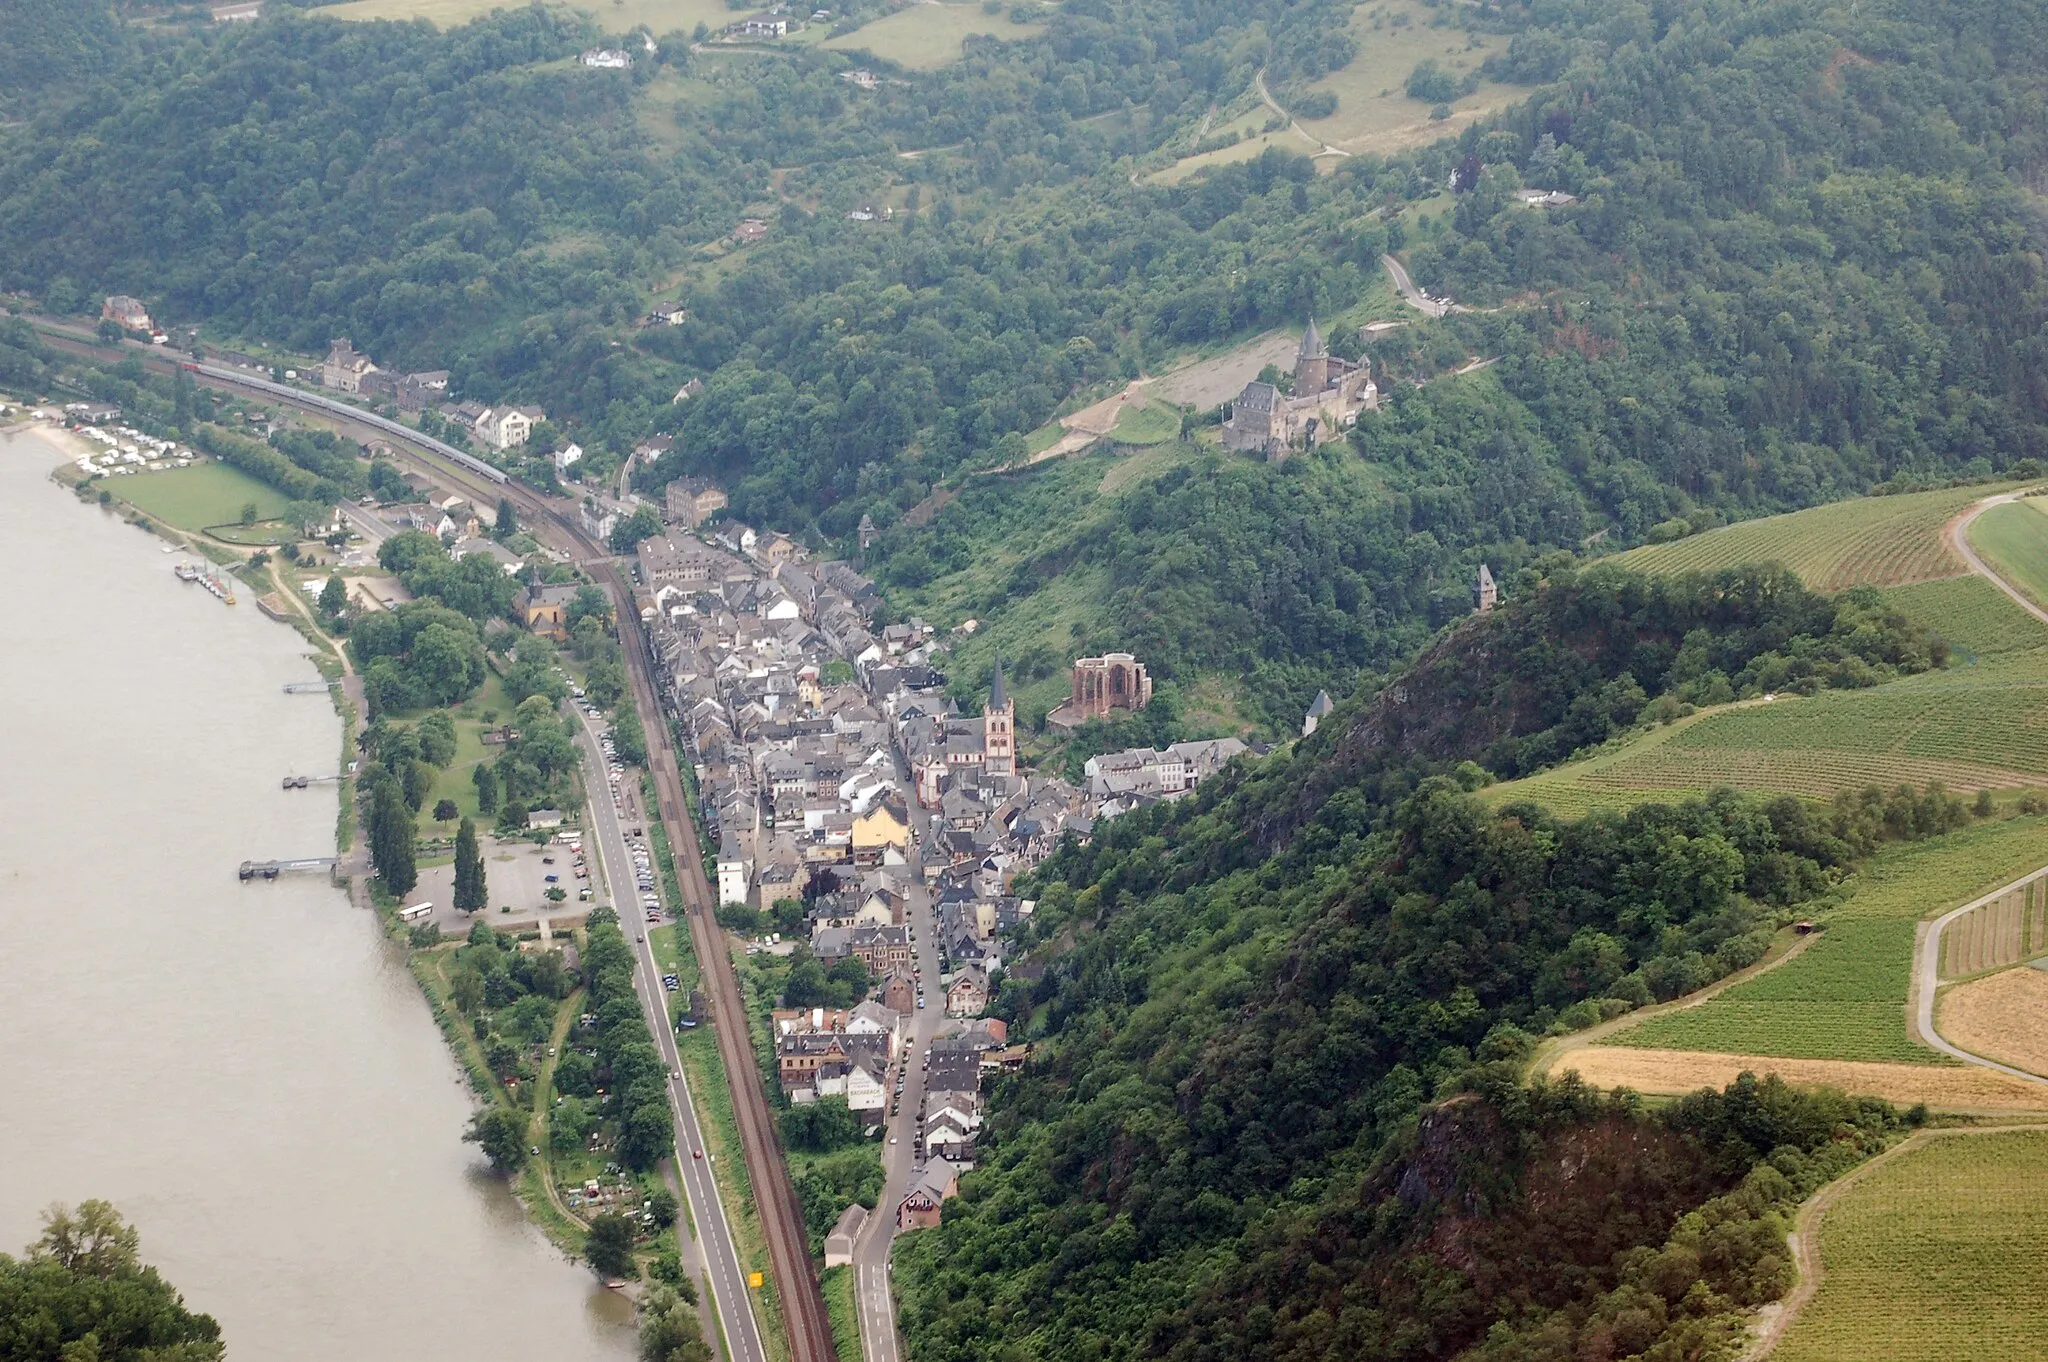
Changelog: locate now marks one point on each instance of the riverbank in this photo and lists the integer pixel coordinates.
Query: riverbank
(248, 1072)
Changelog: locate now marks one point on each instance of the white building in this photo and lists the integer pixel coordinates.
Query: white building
(735, 873)
(507, 427)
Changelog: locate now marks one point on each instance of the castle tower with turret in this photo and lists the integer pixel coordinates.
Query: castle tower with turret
(999, 728)
(1488, 591)
(1311, 363)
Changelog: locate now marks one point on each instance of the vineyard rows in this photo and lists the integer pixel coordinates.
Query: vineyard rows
(2012, 928)
(1881, 541)
(1816, 775)
(1843, 998)
(2002, 726)
(1935, 1257)
(1974, 616)
(1920, 879)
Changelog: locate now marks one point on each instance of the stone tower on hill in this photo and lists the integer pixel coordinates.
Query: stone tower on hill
(1311, 361)
(1489, 593)
(999, 728)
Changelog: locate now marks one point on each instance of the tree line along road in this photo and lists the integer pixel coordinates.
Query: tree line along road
(724, 1275)
(796, 1279)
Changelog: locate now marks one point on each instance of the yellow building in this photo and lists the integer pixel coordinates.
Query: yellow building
(883, 826)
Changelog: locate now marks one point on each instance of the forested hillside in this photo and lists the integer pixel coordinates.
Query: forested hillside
(1274, 1109)
(51, 43)
(1801, 263)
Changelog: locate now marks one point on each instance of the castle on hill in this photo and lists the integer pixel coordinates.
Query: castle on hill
(1329, 393)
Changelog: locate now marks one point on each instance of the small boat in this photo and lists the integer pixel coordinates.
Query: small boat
(207, 578)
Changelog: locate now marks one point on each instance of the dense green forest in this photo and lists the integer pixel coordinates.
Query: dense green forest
(1276, 1110)
(82, 1291)
(51, 43)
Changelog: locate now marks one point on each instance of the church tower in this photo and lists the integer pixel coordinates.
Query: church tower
(1311, 363)
(999, 728)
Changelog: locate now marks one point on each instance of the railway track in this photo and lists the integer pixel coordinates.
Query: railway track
(796, 1280)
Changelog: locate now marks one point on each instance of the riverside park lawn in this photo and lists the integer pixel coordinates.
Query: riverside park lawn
(199, 497)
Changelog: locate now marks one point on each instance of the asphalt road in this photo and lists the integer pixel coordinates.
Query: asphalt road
(874, 1291)
(1435, 307)
(719, 1259)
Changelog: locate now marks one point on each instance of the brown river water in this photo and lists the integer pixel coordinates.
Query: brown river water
(245, 1070)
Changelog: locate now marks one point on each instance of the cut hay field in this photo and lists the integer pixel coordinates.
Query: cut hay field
(1671, 1073)
(1374, 112)
(927, 37)
(1876, 541)
(1844, 998)
(1935, 1257)
(2013, 539)
(2001, 1016)
(658, 16)
(194, 498)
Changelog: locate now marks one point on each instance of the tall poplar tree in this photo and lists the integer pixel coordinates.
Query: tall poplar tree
(391, 838)
(470, 893)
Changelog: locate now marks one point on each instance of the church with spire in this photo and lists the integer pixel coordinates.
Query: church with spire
(1328, 394)
(999, 728)
(959, 752)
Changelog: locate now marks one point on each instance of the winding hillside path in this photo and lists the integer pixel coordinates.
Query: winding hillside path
(1805, 1237)
(1957, 534)
(1416, 298)
(1927, 981)
(1266, 98)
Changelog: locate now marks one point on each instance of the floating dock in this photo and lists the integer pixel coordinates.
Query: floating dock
(305, 687)
(301, 782)
(270, 870)
(207, 577)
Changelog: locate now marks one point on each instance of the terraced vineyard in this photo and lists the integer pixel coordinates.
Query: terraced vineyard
(1935, 1257)
(2011, 928)
(1844, 998)
(1879, 541)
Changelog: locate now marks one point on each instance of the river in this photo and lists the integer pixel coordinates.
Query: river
(246, 1071)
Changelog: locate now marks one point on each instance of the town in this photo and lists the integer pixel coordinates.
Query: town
(855, 808)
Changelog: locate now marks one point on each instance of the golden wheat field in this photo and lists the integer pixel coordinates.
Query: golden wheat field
(1949, 1088)
(2001, 1016)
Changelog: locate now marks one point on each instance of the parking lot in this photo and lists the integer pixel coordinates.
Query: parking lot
(515, 877)
(642, 890)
